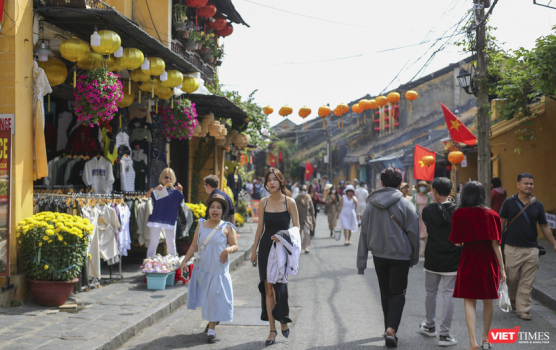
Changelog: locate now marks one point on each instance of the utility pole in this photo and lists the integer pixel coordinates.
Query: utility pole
(483, 117)
(329, 151)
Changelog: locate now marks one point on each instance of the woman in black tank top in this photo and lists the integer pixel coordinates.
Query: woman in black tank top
(275, 212)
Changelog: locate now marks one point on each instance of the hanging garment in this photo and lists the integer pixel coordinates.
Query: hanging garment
(122, 139)
(64, 120)
(55, 176)
(165, 211)
(68, 169)
(140, 175)
(98, 173)
(127, 174)
(41, 87)
(84, 142)
(140, 134)
(139, 155)
(124, 237)
(76, 177)
(47, 181)
(144, 211)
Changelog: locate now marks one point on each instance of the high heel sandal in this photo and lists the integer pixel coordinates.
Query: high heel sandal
(286, 333)
(270, 342)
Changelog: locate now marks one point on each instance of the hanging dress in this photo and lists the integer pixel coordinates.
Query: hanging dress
(210, 286)
(348, 218)
(273, 222)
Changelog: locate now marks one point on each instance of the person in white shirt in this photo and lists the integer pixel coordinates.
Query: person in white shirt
(361, 193)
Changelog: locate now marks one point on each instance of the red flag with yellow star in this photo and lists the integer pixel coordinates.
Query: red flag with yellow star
(309, 170)
(420, 170)
(458, 131)
(273, 160)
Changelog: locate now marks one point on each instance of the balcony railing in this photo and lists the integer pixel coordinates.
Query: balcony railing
(207, 71)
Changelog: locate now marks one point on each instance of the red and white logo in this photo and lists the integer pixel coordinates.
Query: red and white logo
(503, 336)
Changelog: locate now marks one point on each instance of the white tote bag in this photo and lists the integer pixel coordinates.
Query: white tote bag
(337, 233)
(504, 299)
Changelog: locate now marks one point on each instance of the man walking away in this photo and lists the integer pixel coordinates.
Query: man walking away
(441, 261)
(519, 243)
(497, 194)
(390, 230)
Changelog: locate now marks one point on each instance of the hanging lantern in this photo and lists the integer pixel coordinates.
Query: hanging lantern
(110, 42)
(428, 160)
(304, 113)
(449, 167)
(268, 110)
(344, 108)
(55, 70)
(197, 4)
(175, 78)
(150, 85)
(166, 93)
(356, 109)
(189, 85)
(337, 112)
(411, 96)
(137, 75)
(381, 100)
(285, 111)
(218, 22)
(119, 52)
(455, 157)
(226, 31)
(127, 98)
(156, 68)
(373, 104)
(132, 58)
(114, 64)
(393, 97)
(324, 112)
(93, 61)
(207, 11)
(364, 105)
(74, 50)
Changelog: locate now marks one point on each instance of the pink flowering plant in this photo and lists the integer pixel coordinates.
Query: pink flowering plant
(96, 95)
(180, 120)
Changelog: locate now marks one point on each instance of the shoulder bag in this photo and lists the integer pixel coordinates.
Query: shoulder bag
(396, 220)
(542, 251)
(197, 254)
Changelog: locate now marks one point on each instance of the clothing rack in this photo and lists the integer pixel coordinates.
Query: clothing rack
(61, 188)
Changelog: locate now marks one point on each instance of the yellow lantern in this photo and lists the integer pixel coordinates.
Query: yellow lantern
(93, 61)
(381, 100)
(132, 58)
(455, 157)
(110, 42)
(268, 110)
(304, 113)
(114, 64)
(285, 111)
(343, 108)
(189, 85)
(55, 70)
(175, 78)
(393, 97)
(127, 98)
(166, 93)
(373, 104)
(74, 50)
(150, 85)
(428, 160)
(411, 96)
(364, 105)
(324, 112)
(138, 76)
(156, 66)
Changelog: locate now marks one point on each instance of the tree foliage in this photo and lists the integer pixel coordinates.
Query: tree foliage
(258, 121)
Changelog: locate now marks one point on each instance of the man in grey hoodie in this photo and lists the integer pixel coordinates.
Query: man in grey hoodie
(390, 230)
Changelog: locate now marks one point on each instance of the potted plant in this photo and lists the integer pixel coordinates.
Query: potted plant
(54, 248)
(218, 54)
(186, 30)
(208, 43)
(180, 17)
(194, 40)
(96, 95)
(179, 121)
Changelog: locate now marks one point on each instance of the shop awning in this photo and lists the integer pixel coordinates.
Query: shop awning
(391, 160)
(221, 107)
(81, 22)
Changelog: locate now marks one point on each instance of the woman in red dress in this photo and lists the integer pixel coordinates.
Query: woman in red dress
(481, 267)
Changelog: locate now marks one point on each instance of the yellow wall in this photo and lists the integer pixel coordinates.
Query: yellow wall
(16, 96)
(209, 168)
(161, 22)
(125, 7)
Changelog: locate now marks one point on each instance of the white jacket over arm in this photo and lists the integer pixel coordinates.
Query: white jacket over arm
(283, 258)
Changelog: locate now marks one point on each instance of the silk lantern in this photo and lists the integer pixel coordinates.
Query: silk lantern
(189, 85)
(411, 96)
(197, 4)
(127, 98)
(455, 157)
(138, 76)
(364, 105)
(285, 111)
(56, 72)
(132, 58)
(356, 109)
(393, 97)
(174, 79)
(110, 42)
(156, 68)
(219, 22)
(74, 50)
(226, 31)
(381, 101)
(93, 61)
(268, 110)
(304, 113)
(324, 112)
(207, 11)
(114, 64)
(428, 160)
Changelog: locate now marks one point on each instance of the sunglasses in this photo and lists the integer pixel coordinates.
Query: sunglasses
(168, 178)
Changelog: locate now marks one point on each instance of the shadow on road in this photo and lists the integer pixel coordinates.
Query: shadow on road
(355, 344)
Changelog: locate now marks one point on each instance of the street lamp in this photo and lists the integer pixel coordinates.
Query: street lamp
(465, 81)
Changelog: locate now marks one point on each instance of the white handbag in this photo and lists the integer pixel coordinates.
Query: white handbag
(337, 233)
(504, 297)
(197, 254)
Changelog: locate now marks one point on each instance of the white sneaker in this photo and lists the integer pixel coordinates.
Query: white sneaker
(447, 340)
(428, 331)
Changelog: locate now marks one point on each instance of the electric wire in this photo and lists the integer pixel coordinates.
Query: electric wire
(13, 22)
(150, 14)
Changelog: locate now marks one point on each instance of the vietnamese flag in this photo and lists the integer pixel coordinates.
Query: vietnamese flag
(458, 131)
(272, 160)
(1, 9)
(420, 170)
(280, 158)
(309, 170)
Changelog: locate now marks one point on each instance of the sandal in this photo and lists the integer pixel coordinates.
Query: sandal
(524, 316)
(485, 345)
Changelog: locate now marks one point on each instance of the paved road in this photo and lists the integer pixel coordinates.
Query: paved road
(332, 308)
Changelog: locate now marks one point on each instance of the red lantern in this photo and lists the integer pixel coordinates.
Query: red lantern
(196, 3)
(377, 121)
(219, 22)
(396, 124)
(449, 167)
(207, 11)
(227, 30)
(386, 126)
(377, 129)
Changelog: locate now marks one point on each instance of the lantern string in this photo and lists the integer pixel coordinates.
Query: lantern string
(139, 96)
(365, 118)
(323, 125)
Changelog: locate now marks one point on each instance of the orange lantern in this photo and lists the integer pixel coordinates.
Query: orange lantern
(411, 96)
(356, 109)
(337, 112)
(268, 110)
(381, 100)
(304, 113)
(428, 160)
(393, 97)
(364, 105)
(343, 108)
(285, 111)
(373, 103)
(324, 112)
(455, 157)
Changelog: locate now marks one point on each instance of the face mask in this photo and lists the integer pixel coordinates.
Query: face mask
(303, 192)
(423, 189)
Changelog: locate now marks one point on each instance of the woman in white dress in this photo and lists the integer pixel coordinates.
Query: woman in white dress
(346, 213)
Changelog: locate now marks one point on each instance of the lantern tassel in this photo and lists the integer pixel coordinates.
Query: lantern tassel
(49, 102)
(364, 118)
(139, 96)
(129, 89)
(152, 89)
(357, 121)
(338, 124)
(172, 102)
(74, 78)
(323, 125)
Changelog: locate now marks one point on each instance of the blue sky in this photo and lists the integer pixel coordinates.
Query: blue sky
(335, 57)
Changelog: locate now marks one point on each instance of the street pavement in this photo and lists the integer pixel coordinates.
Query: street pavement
(332, 308)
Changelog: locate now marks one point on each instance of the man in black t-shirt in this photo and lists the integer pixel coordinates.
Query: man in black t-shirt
(520, 243)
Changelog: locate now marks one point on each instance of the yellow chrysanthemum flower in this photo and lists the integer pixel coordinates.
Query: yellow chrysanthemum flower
(46, 267)
(49, 232)
(45, 238)
(60, 238)
(40, 244)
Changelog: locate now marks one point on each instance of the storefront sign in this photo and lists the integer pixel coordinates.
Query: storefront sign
(6, 130)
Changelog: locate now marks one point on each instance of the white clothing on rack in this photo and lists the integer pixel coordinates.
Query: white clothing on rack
(124, 237)
(122, 139)
(98, 173)
(127, 175)
(144, 211)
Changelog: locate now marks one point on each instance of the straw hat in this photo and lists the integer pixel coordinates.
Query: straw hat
(404, 184)
(422, 183)
(218, 198)
(327, 187)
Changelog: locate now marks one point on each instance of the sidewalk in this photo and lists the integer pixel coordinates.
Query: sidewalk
(106, 317)
(544, 287)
